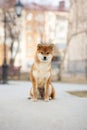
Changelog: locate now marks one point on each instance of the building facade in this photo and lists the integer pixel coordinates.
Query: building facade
(77, 52)
(39, 26)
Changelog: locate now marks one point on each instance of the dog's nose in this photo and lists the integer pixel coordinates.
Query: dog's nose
(44, 57)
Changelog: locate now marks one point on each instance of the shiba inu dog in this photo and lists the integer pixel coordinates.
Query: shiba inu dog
(40, 74)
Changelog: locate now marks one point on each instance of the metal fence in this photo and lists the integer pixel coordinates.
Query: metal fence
(77, 67)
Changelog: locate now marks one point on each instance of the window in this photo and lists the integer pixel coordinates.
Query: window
(39, 29)
(29, 39)
(29, 16)
(39, 18)
(38, 39)
(29, 28)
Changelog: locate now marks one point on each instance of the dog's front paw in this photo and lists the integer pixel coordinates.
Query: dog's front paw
(46, 99)
(34, 99)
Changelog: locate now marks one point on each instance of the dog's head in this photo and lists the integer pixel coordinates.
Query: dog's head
(45, 52)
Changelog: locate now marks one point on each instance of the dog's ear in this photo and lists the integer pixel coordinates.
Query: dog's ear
(51, 46)
(39, 46)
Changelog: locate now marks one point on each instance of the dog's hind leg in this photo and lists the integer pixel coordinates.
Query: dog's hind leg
(30, 94)
(52, 92)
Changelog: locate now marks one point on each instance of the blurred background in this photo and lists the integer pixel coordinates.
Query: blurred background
(25, 23)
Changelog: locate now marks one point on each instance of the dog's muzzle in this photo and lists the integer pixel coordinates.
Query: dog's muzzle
(44, 58)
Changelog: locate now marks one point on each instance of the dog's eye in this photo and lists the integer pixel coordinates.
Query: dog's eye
(47, 52)
(41, 52)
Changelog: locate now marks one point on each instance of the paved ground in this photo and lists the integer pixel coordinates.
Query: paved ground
(66, 112)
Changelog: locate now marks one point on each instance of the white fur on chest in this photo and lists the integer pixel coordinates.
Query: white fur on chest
(41, 71)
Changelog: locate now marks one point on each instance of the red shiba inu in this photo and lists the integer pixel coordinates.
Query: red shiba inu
(40, 74)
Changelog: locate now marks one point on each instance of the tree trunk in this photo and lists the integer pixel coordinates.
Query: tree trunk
(68, 43)
(12, 61)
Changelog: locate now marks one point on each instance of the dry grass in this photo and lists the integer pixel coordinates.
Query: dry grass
(82, 94)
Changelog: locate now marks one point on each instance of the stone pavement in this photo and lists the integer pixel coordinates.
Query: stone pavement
(66, 112)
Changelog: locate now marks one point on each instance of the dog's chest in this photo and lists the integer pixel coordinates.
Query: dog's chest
(41, 72)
